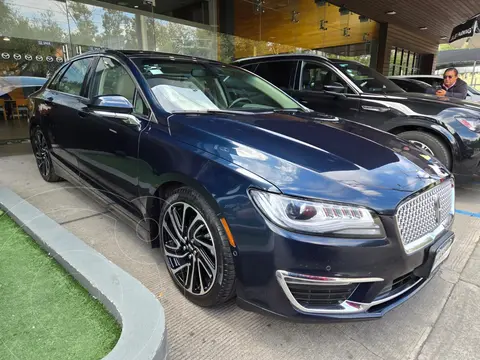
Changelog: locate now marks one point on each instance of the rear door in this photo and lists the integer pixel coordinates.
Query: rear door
(61, 107)
(310, 90)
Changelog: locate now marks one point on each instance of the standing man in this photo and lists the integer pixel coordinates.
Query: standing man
(452, 86)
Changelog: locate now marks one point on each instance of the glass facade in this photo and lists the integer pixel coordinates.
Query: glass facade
(404, 62)
(37, 36)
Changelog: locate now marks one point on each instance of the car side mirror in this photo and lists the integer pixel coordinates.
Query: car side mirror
(112, 103)
(335, 87)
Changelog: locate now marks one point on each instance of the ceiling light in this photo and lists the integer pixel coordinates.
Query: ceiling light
(423, 28)
(443, 38)
(6, 38)
(391, 12)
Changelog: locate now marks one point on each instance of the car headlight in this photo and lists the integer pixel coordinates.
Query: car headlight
(472, 123)
(314, 217)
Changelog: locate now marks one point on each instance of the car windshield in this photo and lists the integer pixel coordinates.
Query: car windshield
(474, 91)
(186, 86)
(367, 79)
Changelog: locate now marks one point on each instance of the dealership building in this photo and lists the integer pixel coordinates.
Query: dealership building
(395, 37)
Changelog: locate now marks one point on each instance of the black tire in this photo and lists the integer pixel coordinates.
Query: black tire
(439, 149)
(41, 151)
(222, 286)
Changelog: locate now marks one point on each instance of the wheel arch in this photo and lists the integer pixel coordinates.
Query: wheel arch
(168, 183)
(435, 129)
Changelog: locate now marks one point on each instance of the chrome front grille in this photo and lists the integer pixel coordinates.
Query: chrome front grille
(423, 214)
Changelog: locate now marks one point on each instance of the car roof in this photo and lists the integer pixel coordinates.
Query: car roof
(294, 56)
(148, 54)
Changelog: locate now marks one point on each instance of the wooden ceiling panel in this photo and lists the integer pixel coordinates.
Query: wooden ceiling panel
(439, 16)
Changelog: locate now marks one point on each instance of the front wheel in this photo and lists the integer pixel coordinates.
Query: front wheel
(431, 144)
(196, 249)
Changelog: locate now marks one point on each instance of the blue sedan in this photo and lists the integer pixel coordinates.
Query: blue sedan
(245, 192)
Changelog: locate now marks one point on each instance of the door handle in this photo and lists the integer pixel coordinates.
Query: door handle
(303, 101)
(82, 114)
(375, 108)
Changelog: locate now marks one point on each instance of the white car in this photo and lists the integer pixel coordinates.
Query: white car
(437, 80)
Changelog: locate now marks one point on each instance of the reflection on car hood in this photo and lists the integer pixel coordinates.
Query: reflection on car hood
(313, 155)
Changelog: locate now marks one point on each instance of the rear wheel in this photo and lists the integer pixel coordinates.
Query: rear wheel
(431, 144)
(42, 156)
(196, 249)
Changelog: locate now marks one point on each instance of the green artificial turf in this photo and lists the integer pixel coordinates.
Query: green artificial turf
(44, 312)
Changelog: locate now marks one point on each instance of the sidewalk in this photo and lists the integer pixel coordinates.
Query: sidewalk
(440, 322)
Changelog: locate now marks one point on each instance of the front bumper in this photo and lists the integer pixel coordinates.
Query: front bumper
(334, 279)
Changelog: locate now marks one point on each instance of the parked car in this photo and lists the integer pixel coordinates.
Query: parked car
(247, 192)
(412, 85)
(14, 92)
(434, 81)
(449, 129)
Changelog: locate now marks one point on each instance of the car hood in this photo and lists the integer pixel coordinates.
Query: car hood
(314, 155)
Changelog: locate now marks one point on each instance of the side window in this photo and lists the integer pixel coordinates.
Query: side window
(54, 83)
(140, 107)
(278, 73)
(111, 78)
(72, 80)
(315, 76)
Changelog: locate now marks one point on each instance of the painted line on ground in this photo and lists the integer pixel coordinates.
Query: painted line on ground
(468, 213)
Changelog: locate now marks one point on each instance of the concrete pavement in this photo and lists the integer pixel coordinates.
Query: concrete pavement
(440, 322)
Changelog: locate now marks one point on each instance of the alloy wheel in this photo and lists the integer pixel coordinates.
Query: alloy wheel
(189, 248)
(422, 146)
(42, 155)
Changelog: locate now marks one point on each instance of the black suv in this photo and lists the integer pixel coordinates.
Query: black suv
(447, 128)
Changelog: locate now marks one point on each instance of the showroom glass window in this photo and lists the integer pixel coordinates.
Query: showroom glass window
(111, 78)
(72, 81)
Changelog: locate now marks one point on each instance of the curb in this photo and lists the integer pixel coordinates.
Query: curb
(144, 335)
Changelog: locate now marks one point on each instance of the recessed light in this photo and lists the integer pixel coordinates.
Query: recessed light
(423, 28)
(443, 38)
(391, 12)
(136, 6)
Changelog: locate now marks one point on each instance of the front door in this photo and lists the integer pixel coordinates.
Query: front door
(320, 89)
(111, 159)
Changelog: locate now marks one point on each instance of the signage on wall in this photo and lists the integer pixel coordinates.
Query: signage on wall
(28, 57)
(467, 29)
(47, 43)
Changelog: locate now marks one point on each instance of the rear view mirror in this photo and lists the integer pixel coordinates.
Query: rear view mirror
(335, 87)
(113, 103)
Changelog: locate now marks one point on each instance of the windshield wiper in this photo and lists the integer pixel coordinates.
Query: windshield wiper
(289, 110)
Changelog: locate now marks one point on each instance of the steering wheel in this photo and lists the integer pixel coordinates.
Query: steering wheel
(236, 101)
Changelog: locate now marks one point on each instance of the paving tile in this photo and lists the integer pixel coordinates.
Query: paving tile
(456, 334)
